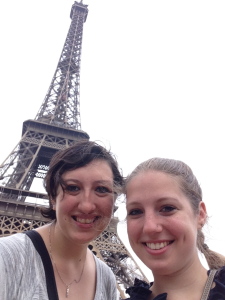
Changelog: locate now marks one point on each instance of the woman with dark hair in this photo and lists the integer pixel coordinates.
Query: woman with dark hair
(165, 217)
(53, 261)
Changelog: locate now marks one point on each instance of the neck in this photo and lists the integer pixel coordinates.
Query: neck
(61, 246)
(190, 280)
(69, 266)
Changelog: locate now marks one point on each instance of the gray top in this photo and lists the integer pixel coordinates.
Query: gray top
(23, 272)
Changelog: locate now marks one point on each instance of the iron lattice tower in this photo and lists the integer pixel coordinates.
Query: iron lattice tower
(56, 126)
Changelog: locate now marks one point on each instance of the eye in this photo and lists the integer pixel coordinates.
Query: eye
(134, 212)
(103, 190)
(71, 189)
(168, 208)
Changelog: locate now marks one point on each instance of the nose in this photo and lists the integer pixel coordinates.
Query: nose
(152, 224)
(86, 202)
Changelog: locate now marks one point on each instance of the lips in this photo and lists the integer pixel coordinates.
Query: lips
(85, 220)
(158, 246)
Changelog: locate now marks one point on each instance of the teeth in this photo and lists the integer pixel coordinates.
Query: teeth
(85, 221)
(157, 246)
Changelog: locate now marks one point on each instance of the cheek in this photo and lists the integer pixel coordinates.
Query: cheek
(107, 207)
(133, 229)
(182, 227)
(64, 205)
(176, 223)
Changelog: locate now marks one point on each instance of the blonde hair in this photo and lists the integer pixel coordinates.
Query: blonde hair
(191, 188)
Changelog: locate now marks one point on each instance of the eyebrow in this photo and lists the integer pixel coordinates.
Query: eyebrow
(136, 202)
(133, 203)
(96, 181)
(104, 181)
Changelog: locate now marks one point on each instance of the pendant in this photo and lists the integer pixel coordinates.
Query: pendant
(67, 291)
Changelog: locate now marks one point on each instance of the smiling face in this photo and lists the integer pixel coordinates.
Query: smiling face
(161, 224)
(84, 202)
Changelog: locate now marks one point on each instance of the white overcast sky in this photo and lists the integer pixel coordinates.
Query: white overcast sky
(152, 82)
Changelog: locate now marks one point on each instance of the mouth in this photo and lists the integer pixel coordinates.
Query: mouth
(85, 221)
(158, 246)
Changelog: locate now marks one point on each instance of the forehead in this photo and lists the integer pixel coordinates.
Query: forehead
(152, 182)
(97, 169)
(153, 187)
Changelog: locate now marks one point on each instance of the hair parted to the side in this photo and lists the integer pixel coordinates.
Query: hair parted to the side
(74, 157)
(190, 187)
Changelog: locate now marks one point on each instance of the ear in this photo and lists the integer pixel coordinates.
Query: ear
(202, 215)
(53, 204)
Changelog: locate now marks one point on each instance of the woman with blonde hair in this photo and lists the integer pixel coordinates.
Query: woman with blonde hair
(165, 217)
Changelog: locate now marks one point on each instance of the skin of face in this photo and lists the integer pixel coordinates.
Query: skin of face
(161, 224)
(83, 216)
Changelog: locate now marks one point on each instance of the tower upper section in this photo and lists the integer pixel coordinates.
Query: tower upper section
(61, 105)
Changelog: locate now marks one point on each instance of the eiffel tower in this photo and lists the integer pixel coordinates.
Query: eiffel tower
(56, 126)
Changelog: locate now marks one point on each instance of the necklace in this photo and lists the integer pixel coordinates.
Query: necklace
(50, 252)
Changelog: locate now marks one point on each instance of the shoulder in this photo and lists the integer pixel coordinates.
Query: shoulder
(13, 244)
(15, 250)
(218, 291)
(18, 250)
(106, 281)
(220, 275)
(140, 290)
(21, 269)
(103, 268)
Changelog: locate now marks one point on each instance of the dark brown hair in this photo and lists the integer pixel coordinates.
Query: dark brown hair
(74, 157)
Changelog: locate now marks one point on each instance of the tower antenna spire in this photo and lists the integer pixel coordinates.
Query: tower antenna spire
(56, 126)
(61, 105)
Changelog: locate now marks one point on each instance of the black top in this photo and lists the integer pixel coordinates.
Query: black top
(140, 290)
